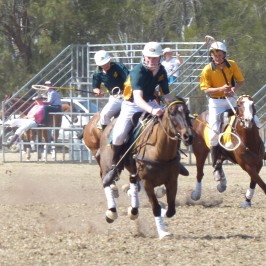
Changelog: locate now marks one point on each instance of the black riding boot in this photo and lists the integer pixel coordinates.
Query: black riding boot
(183, 170)
(11, 141)
(216, 162)
(113, 173)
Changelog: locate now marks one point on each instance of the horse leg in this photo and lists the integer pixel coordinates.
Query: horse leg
(133, 210)
(249, 195)
(28, 154)
(253, 172)
(156, 208)
(111, 213)
(201, 154)
(171, 190)
(221, 187)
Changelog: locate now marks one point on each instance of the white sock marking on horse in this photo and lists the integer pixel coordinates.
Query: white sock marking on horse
(159, 221)
(198, 187)
(134, 193)
(163, 212)
(110, 197)
(250, 193)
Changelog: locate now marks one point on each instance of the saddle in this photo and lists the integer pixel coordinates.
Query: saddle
(137, 121)
(227, 119)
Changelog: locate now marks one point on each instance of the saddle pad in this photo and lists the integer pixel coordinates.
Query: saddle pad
(225, 138)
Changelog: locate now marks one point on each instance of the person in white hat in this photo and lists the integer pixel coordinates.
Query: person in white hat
(112, 75)
(171, 64)
(52, 103)
(219, 80)
(139, 95)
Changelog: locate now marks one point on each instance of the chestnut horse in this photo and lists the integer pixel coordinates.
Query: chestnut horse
(92, 135)
(248, 155)
(156, 162)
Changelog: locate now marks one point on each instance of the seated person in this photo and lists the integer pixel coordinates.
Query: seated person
(32, 119)
(52, 104)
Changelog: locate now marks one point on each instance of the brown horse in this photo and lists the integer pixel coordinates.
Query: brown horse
(248, 155)
(92, 135)
(155, 163)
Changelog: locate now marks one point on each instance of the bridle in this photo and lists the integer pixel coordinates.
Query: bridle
(181, 108)
(240, 106)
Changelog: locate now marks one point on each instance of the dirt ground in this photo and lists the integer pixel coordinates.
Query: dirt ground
(54, 214)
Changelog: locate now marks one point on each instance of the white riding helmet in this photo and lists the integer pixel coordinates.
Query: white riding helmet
(152, 49)
(218, 46)
(101, 58)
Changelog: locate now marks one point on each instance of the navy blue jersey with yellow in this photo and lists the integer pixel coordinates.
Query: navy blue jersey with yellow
(115, 76)
(140, 78)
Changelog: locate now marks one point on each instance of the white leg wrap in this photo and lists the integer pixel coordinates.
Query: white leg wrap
(250, 193)
(110, 197)
(196, 194)
(198, 187)
(134, 193)
(161, 227)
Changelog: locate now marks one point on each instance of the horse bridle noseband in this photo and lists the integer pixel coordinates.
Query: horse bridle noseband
(177, 136)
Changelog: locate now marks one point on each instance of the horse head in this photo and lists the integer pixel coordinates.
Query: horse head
(179, 119)
(246, 110)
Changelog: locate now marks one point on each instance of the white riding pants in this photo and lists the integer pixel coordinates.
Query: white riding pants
(23, 125)
(123, 123)
(216, 107)
(112, 107)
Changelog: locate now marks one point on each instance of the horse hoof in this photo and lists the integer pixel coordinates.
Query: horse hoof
(221, 188)
(164, 235)
(115, 190)
(195, 196)
(110, 216)
(160, 192)
(108, 220)
(132, 213)
(246, 204)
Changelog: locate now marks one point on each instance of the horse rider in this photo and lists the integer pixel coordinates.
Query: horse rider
(52, 103)
(32, 119)
(112, 75)
(139, 95)
(219, 80)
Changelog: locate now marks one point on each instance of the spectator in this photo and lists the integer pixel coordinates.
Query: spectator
(33, 119)
(53, 102)
(171, 64)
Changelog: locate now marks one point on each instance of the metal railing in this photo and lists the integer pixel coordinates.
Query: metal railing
(73, 69)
